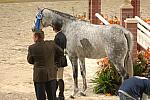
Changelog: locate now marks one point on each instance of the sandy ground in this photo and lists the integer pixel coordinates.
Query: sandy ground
(16, 20)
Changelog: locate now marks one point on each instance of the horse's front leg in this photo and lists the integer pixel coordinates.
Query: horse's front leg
(75, 74)
(83, 74)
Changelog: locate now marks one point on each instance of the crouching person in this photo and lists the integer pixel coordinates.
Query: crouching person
(41, 55)
(134, 87)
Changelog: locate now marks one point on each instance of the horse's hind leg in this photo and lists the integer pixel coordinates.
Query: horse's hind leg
(74, 62)
(83, 74)
(119, 65)
(129, 64)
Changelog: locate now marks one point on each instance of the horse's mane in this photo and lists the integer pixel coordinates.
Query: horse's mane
(65, 15)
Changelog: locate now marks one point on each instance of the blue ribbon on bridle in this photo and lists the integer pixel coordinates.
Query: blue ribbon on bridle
(38, 21)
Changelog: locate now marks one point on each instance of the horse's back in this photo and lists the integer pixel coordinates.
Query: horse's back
(88, 41)
(93, 41)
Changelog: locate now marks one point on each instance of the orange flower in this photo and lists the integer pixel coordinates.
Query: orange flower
(145, 20)
(108, 94)
(147, 54)
(98, 62)
(111, 21)
(103, 61)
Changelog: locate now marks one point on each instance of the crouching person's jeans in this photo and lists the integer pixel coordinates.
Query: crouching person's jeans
(45, 87)
(125, 96)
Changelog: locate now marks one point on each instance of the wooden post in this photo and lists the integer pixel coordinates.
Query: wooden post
(90, 6)
(126, 11)
(94, 7)
(136, 7)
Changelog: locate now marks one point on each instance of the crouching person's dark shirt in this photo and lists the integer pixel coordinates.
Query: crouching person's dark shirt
(136, 86)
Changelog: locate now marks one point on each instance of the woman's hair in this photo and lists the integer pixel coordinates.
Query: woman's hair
(39, 34)
(57, 24)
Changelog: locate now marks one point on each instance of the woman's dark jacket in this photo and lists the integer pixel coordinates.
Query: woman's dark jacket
(60, 40)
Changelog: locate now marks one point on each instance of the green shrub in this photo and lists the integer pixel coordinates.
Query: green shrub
(141, 65)
(107, 81)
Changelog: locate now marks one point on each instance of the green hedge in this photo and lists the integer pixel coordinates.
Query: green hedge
(107, 81)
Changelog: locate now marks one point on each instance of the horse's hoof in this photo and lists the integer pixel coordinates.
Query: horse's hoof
(82, 94)
(72, 97)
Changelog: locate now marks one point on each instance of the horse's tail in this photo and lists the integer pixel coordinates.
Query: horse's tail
(128, 58)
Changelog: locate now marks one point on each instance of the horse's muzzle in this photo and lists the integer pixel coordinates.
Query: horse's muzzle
(33, 29)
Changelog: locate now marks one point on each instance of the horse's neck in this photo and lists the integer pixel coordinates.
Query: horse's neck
(55, 16)
(66, 23)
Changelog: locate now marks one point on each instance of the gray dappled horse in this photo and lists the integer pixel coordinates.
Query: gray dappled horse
(86, 40)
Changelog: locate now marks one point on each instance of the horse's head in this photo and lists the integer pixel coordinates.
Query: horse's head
(48, 17)
(38, 23)
(43, 19)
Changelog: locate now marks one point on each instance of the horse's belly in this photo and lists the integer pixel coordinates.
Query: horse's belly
(92, 48)
(94, 53)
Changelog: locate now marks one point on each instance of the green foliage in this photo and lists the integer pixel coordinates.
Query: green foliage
(108, 81)
(141, 65)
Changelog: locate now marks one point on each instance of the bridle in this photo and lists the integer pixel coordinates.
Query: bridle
(39, 18)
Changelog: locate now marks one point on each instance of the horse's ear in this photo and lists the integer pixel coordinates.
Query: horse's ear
(39, 9)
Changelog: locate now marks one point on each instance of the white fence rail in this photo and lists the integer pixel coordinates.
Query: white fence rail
(143, 33)
(102, 19)
(143, 40)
